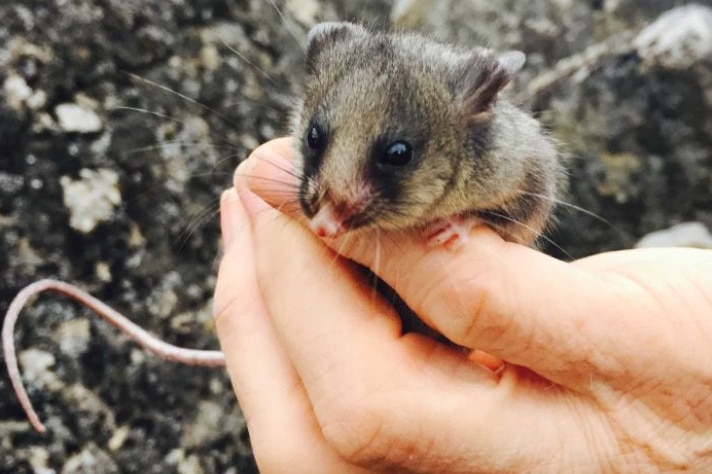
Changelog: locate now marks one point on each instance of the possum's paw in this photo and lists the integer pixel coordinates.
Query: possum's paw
(452, 233)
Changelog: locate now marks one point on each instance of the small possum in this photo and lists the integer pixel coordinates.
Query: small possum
(394, 131)
(398, 131)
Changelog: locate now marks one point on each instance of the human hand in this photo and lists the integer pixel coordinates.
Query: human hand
(608, 359)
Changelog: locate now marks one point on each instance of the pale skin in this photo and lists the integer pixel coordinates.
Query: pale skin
(599, 365)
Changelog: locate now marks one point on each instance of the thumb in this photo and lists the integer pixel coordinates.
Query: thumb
(502, 298)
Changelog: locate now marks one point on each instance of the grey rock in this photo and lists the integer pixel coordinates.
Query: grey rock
(39, 460)
(75, 118)
(184, 463)
(636, 131)
(10, 184)
(205, 428)
(686, 234)
(634, 13)
(91, 199)
(190, 465)
(543, 29)
(305, 12)
(118, 438)
(90, 460)
(36, 365)
(678, 39)
(16, 91)
(637, 136)
(73, 336)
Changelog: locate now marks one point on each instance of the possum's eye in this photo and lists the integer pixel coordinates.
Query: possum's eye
(398, 153)
(316, 138)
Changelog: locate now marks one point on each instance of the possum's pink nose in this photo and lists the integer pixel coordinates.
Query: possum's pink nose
(327, 222)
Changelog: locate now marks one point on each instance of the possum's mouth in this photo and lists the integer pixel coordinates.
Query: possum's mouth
(333, 221)
(332, 212)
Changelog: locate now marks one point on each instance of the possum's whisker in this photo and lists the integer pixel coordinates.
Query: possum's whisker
(228, 159)
(290, 27)
(289, 208)
(211, 210)
(146, 111)
(337, 252)
(390, 236)
(285, 169)
(214, 144)
(217, 144)
(582, 210)
(622, 234)
(149, 190)
(184, 143)
(289, 185)
(536, 233)
(257, 103)
(184, 97)
(281, 189)
(231, 156)
(247, 61)
(208, 174)
(376, 267)
(392, 214)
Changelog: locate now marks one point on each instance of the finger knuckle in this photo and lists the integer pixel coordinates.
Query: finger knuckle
(358, 431)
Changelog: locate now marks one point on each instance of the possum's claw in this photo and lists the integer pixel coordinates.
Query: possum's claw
(452, 233)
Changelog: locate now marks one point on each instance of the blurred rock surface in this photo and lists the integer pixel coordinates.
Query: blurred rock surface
(685, 234)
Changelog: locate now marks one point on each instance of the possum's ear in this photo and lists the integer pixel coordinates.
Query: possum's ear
(482, 78)
(324, 35)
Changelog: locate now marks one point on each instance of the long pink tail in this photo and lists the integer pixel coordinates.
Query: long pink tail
(125, 325)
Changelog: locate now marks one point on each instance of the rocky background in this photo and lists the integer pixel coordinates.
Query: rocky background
(122, 120)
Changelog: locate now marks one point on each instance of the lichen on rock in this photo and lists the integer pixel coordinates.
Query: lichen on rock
(91, 199)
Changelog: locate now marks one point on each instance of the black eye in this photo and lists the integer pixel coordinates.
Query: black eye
(398, 153)
(316, 138)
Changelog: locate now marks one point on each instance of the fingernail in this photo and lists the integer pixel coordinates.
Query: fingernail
(270, 160)
(229, 215)
(244, 171)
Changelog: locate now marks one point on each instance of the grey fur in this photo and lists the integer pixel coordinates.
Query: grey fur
(477, 155)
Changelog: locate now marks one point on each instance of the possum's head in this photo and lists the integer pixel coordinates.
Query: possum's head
(389, 124)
